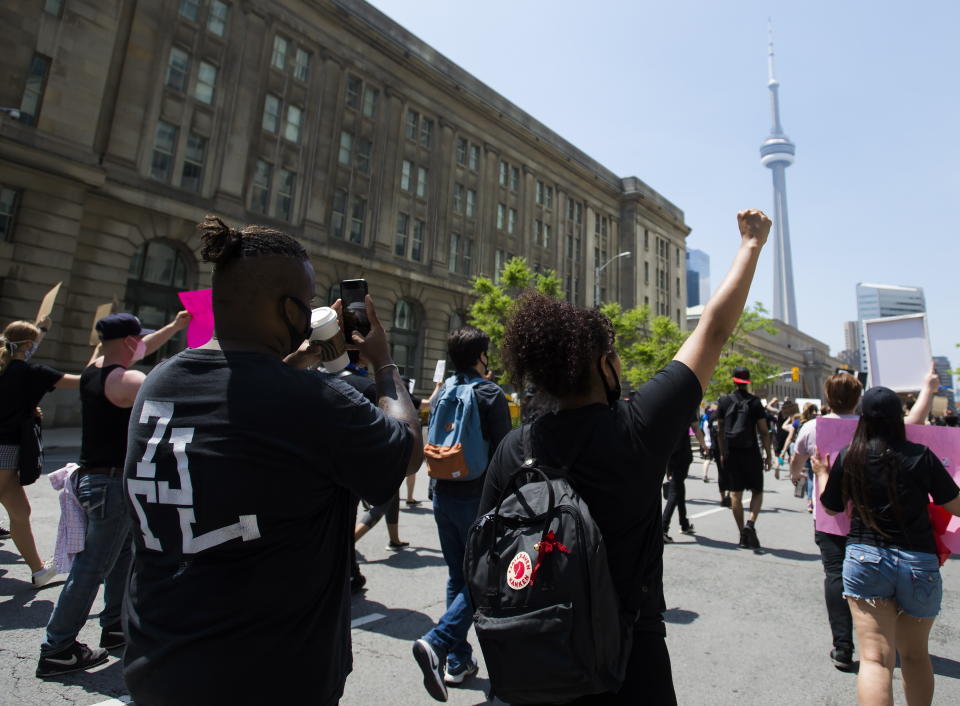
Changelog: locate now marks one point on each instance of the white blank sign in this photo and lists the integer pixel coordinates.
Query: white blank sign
(898, 352)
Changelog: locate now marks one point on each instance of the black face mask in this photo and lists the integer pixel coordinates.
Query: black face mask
(613, 393)
(297, 336)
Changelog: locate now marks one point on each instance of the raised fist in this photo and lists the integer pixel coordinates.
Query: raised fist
(754, 225)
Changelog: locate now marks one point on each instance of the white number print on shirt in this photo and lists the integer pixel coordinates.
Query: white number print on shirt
(159, 492)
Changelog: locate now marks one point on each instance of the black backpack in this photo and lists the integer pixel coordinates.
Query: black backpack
(547, 615)
(739, 429)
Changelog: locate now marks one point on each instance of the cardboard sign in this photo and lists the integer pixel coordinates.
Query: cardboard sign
(102, 310)
(46, 306)
(440, 371)
(834, 434)
(898, 351)
(200, 304)
(939, 407)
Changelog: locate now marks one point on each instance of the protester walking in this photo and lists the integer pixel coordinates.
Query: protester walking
(741, 418)
(443, 654)
(678, 466)
(842, 392)
(108, 388)
(22, 385)
(615, 453)
(891, 572)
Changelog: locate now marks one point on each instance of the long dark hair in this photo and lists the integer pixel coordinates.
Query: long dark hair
(879, 437)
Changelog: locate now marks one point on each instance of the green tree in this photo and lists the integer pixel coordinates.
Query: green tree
(495, 300)
(644, 345)
(736, 352)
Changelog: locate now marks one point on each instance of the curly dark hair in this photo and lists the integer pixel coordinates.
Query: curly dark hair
(223, 244)
(555, 345)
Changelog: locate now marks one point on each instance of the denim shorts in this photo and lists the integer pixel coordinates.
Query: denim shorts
(912, 579)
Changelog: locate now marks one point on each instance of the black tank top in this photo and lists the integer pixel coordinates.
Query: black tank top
(104, 437)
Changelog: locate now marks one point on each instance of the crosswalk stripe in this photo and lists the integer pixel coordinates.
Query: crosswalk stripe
(707, 512)
(365, 619)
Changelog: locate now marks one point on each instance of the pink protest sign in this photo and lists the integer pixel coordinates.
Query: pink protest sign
(200, 305)
(834, 434)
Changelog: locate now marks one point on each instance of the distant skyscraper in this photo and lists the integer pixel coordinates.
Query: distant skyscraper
(877, 301)
(943, 367)
(776, 153)
(698, 277)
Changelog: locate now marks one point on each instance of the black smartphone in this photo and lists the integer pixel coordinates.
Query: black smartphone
(352, 296)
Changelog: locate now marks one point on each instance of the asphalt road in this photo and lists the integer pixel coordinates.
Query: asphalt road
(743, 628)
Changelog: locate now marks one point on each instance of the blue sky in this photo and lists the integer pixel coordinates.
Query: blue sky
(675, 93)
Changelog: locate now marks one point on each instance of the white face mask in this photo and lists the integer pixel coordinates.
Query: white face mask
(139, 351)
(27, 354)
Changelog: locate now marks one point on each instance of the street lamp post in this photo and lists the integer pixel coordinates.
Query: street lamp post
(596, 277)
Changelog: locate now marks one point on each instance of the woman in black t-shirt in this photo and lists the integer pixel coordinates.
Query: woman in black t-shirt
(891, 572)
(617, 450)
(22, 385)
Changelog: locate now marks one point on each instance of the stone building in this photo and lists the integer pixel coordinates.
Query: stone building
(787, 348)
(125, 122)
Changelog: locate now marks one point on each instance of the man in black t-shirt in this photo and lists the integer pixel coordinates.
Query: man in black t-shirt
(241, 472)
(741, 417)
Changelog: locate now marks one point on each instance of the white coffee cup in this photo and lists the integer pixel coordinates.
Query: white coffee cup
(327, 333)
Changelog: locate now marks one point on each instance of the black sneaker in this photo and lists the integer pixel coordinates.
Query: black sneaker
(357, 583)
(5, 533)
(111, 637)
(432, 666)
(725, 501)
(667, 539)
(842, 658)
(744, 542)
(751, 536)
(688, 530)
(70, 659)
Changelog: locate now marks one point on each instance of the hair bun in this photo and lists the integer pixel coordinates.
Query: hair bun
(221, 243)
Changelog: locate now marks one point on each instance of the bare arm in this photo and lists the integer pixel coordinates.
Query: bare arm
(764, 430)
(161, 336)
(953, 507)
(122, 387)
(392, 395)
(796, 466)
(68, 382)
(701, 351)
(921, 408)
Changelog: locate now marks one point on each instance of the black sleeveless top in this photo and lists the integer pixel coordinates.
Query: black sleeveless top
(104, 438)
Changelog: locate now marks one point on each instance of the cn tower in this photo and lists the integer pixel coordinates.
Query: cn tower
(776, 153)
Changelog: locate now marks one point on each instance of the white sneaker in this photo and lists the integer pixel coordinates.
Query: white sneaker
(468, 670)
(47, 574)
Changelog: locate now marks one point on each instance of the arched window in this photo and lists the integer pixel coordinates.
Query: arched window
(158, 271)
(405, 338)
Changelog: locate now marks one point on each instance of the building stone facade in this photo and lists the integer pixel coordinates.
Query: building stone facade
(129, 121)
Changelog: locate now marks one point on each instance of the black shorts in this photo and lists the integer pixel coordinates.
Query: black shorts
(744, 469)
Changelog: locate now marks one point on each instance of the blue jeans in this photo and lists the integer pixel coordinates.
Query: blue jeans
(912, 579)
(454, 516)
(105, 559)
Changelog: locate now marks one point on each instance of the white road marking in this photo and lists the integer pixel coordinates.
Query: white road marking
(121, 701)
(706, 512)
(365, 619)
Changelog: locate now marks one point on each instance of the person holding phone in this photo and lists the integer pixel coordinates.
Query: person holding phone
(241, 472)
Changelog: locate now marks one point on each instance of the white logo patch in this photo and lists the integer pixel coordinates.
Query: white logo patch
(519, 571)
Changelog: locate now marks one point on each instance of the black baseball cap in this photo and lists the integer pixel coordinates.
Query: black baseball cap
(120, 326)
(881, 403)
(741, 375)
